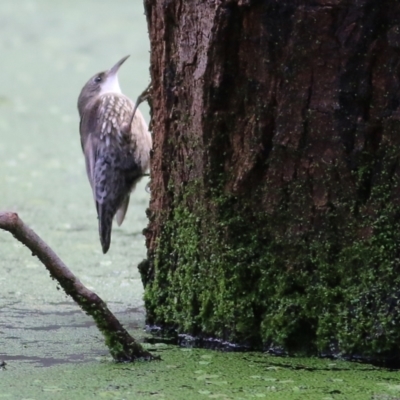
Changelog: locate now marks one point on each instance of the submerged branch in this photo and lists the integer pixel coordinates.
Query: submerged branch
(122, 346)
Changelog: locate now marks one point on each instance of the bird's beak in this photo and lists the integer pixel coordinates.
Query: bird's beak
(115, 68)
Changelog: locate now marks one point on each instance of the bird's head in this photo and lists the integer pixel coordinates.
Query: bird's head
(102, 82)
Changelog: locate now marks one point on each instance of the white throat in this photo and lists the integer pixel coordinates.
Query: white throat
(111, 85)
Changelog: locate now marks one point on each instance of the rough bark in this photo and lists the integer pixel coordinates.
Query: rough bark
(275, 209)
(122, 346)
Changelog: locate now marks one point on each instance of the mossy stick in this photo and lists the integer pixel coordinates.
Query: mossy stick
(122, 346)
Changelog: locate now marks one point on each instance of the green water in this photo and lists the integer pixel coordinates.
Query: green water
(48, 50)
(199, 374)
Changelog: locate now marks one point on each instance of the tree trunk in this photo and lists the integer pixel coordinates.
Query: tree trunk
(275, 209)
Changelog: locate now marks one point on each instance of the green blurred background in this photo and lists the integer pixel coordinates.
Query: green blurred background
(48, 50)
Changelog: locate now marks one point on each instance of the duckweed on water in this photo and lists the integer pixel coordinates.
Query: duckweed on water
(200, 374)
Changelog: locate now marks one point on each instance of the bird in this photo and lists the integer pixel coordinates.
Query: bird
(116, 144)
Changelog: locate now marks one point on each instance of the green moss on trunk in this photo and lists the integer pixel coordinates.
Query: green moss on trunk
(226, 268)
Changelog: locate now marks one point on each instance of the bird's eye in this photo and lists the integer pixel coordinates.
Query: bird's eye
(97, 79)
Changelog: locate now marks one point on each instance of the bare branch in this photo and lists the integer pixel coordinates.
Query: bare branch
(122, 346)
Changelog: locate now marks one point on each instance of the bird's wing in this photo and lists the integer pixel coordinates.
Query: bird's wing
(101, 127)
(90, 144)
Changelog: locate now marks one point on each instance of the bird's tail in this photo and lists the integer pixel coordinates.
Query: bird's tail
(120, 215)
(105, 215)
